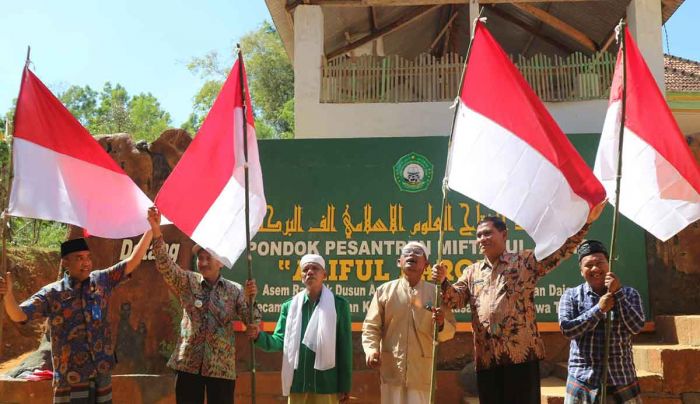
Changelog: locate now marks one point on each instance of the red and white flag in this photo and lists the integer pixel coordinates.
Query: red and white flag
(660, 185)
(204, 196)
(509, 154)
(61, 173)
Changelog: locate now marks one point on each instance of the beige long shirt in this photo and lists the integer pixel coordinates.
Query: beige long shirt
(400, 327)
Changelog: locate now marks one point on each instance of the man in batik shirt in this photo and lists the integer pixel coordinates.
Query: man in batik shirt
(582, 319)
(205, 353)
(500, 290)
(77, 307)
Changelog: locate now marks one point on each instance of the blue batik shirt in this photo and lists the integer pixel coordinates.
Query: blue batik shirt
(582, 321)
(81, 340)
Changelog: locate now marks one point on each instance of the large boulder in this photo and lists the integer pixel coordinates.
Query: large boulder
(135, 161)
(166, 152)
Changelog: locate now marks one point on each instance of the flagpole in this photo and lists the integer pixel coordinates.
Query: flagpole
(616, 211)
(437, 298)
(4, 233)
(249, 257)
(5, 220)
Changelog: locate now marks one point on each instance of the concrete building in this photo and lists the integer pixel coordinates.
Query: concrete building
(384, 68)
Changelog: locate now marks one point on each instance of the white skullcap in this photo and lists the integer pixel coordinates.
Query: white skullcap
(419, 245)
(312, 258)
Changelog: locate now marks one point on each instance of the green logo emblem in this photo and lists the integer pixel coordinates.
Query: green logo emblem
(413, 173)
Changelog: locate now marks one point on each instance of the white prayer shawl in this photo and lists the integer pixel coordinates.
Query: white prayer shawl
(319, 336)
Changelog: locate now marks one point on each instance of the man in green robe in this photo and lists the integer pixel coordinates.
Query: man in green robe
(314, 333)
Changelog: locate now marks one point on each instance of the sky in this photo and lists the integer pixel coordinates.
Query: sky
(682, 31)
(144, 45)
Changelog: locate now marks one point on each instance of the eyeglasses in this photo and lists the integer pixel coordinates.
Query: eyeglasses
(412, 250)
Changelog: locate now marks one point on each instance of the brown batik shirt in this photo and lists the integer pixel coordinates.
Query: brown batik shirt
(502, 302)
(206, 344)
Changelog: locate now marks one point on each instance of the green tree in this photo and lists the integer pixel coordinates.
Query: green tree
(209, 65)
(81, 102)
(113, 110)
(287, 116)
(38, 233)
(270, 77)
(201, 104)
(5, 124)
(263, 130)
(147, 118)
(270, 80)
(4, 168)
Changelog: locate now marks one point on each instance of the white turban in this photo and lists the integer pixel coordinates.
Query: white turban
(312, 258)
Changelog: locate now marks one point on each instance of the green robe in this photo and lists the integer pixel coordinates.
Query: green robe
(306, 378)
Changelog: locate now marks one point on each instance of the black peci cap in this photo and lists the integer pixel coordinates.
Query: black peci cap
(588, 247)
(75, 245)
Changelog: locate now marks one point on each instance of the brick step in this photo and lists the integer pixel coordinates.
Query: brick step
(677, 364)
(662, 398)
(684, 330)
(135, 389)
(552, 390)
(648, 381)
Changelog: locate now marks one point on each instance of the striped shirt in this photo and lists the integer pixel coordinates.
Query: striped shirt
(582, 321)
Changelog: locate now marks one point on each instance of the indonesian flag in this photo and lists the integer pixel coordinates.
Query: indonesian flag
(204, 196)
(61, 173)
(660, 185)
(509, 154)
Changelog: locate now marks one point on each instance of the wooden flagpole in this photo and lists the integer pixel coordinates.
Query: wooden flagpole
(5, 220)
(437, 298)
(616, 211)
(249, 257)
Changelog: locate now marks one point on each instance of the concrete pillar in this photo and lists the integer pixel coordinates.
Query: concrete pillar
(308, 53)
(644, 19)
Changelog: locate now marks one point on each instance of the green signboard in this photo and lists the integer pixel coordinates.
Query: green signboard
(357, 201)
